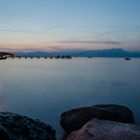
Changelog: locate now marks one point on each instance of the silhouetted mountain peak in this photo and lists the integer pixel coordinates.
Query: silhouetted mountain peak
(114, 52)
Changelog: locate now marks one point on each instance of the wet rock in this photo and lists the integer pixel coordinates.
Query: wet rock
(17, 127)
(76, 118)
(106, 130)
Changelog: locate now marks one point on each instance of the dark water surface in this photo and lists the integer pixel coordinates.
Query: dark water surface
(44, 89)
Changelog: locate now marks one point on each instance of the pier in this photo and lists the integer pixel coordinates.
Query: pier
(5, 55)
(37, 57)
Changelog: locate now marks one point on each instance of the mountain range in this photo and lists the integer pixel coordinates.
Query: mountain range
(118, 52)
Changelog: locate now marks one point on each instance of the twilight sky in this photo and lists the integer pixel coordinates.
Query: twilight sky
(56, 25)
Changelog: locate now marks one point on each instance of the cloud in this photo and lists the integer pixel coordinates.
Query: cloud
(106, 42)
(26, 30)
(17, 30)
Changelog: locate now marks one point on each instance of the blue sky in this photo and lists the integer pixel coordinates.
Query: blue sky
(56, 25)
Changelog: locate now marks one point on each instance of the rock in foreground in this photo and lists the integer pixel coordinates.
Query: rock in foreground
(106, 130)
(76, 118)
(17, 127)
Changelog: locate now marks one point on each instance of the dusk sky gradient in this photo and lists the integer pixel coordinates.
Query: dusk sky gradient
(57, 25)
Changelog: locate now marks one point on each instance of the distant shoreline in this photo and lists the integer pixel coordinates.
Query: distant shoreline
(118, 52)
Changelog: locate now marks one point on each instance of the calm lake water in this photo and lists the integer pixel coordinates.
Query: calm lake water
(44, 89)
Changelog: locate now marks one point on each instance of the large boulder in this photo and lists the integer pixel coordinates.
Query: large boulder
(106, 130)
(76, 118)
(17, 127)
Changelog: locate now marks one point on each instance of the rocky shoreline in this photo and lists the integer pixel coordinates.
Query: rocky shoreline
(98, 122)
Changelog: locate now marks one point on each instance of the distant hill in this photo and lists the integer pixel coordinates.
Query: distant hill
(109, 53)
(90, 53)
